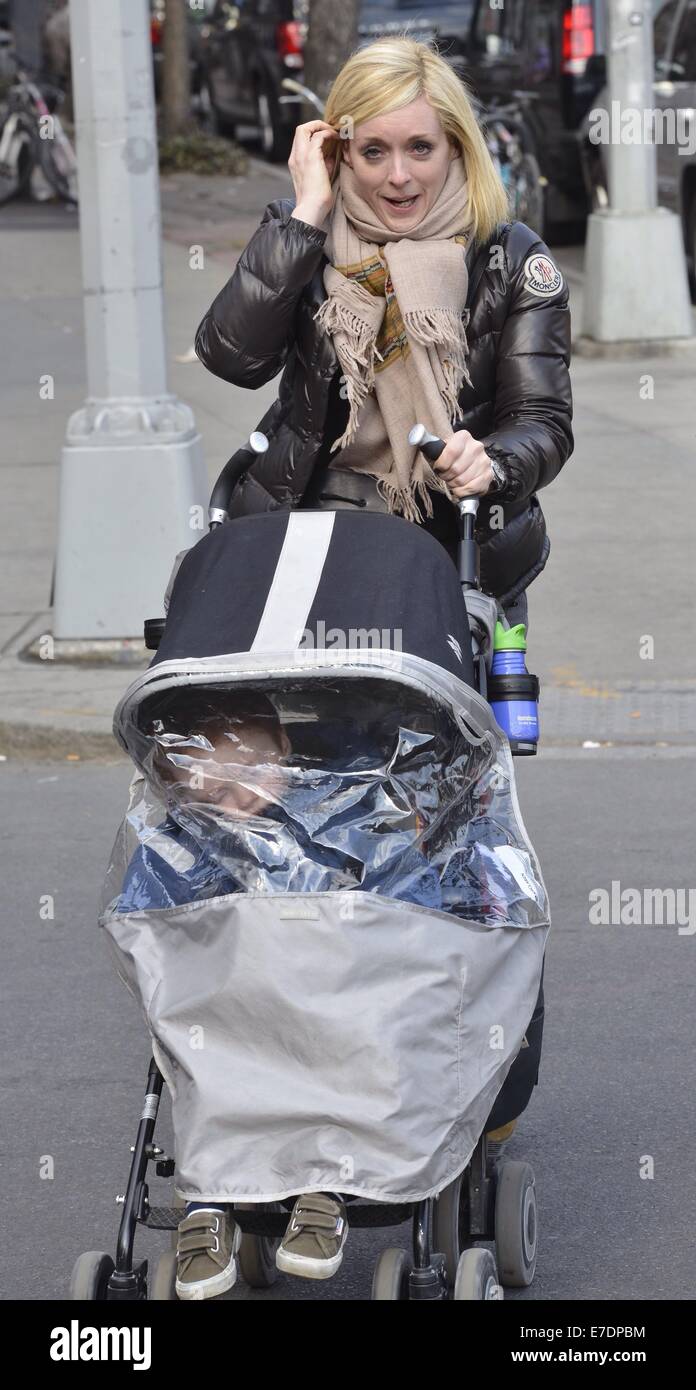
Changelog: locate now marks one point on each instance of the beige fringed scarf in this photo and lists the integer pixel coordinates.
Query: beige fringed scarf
(407, 310)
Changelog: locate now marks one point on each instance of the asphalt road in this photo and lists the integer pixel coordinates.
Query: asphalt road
(617, 1075)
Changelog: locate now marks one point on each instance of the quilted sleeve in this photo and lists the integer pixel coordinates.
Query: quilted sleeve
(532, 435)
(248, 330)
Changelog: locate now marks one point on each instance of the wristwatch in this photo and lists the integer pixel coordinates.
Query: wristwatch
(498, 471)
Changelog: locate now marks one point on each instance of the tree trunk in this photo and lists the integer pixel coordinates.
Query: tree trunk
(176, 77)
(331, 38)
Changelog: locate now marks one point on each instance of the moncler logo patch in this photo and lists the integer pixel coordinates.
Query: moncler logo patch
(542, 276)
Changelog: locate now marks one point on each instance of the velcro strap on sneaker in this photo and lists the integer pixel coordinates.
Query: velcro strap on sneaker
(316, 1221)
(313, 1212)
(199, 1241)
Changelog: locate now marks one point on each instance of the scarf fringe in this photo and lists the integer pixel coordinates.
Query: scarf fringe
(332, 314)
(403, 500)
(442, 328)
(357, 350)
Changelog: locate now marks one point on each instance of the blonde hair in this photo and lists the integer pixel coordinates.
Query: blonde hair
(394, 71)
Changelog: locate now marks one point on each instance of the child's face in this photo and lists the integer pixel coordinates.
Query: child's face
(217, 774)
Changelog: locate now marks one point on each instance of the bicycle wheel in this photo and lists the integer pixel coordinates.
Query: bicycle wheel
(528, 193)
(16, 168)
(58, 164)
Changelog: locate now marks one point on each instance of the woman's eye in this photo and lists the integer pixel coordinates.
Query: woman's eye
(420, 145)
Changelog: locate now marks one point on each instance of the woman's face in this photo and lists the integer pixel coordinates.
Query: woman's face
(401, 154)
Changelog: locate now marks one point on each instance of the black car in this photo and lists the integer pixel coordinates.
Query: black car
(248, 48)
(197, 16)
(550, 53)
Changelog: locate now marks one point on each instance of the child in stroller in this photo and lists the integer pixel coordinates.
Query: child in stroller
(232, 760)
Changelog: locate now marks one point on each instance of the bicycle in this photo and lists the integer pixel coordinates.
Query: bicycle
(24, 148)
(510, 147)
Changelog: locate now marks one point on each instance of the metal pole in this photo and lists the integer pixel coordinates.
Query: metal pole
(631, 168)
(132, 471)
(636, 288)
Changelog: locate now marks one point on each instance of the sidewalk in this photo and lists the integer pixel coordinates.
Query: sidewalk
(619, 515)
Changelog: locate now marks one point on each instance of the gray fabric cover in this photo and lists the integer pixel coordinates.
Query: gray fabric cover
(326, 1041)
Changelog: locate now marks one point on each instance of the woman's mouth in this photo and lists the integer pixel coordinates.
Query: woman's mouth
(402, 204)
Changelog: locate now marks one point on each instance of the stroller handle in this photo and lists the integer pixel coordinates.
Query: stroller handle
(431, 446)
(230, 475)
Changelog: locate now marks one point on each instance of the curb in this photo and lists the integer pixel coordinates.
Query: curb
(625, 349)
(50, 743)
(55, 743)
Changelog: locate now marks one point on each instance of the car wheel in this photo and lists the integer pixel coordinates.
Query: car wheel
(209, 116)
(275, 141)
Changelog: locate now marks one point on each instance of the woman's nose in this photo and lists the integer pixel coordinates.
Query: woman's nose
(398, 176)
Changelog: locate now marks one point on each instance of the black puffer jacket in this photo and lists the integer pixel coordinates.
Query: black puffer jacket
(520, 404)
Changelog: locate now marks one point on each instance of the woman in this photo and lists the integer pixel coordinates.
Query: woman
(438, 311)
(512, 428)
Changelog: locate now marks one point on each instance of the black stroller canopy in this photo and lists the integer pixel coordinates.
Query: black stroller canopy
(318, 580)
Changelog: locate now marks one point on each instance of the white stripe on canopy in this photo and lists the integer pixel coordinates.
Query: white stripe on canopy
(295, 581)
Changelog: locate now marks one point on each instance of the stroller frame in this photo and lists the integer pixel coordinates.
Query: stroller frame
(474, 1192)
(477, 1206)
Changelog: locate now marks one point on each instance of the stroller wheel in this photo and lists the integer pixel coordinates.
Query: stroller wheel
(163, 1284)
(451, 1225)
(390, 1279)
(516, 1224)
(257, 1253)
(90, 1276)
(477, 1277)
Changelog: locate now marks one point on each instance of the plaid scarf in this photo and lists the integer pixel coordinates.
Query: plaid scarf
(398, 322)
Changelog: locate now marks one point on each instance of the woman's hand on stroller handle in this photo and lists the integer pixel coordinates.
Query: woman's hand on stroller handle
(432, 448)
(466, 469)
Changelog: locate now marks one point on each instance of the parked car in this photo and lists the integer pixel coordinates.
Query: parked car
(197, 19)
(249, 47)
(546, 52)
(247, 50)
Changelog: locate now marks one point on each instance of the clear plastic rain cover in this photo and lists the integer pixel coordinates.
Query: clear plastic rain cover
(330, 786)
(309, 876)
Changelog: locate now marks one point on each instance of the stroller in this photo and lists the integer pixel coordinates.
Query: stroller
(325, 901)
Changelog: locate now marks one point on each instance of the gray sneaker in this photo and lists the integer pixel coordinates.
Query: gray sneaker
(312, 1246)
(206, 1252)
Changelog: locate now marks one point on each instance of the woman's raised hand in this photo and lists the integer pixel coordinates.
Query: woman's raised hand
(310, 166)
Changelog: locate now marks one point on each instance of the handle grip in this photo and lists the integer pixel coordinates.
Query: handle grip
(230, 475)
(432, 446)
